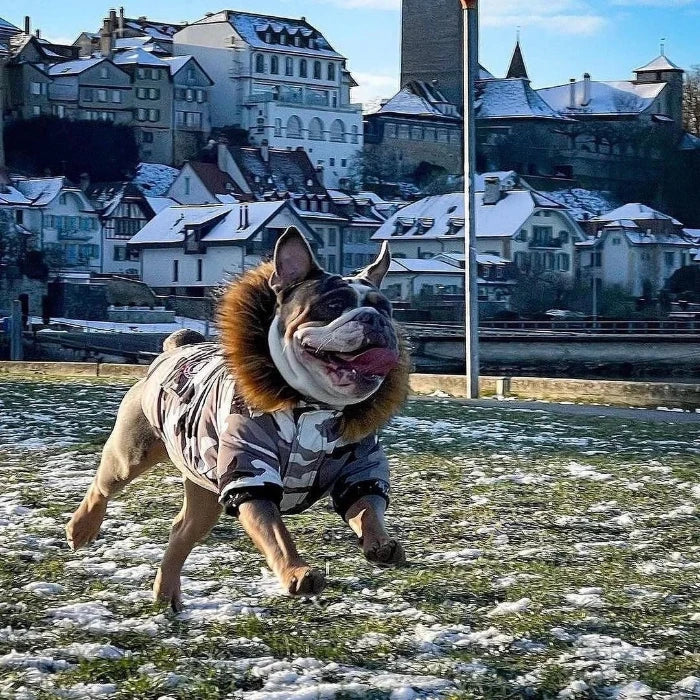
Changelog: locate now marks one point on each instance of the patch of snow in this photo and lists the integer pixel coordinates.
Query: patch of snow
(510, 607)
(42, 588)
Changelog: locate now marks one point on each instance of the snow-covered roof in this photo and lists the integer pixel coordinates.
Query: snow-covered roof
(510, 98)
(161, 31)
(442, 216)
(636, 212)
(693, 233)
(40, 190)
(253, 27)
(429, 266)
(612, 97)
(176, 62)
(170, 224)
(8, 28)
(139, 57)
(509, 179)
(660, 63)
(157, 204)
(154, 179)
(132, 42)
(420, 99)
(11, 196)
(73, 67)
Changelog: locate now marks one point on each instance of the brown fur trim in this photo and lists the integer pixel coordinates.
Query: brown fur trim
(246, 310)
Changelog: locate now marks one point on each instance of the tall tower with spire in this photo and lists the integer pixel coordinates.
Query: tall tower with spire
(662, 70)
(432, 45)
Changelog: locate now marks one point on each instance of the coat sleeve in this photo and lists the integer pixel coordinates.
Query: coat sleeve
(248, 465)
(366, 473)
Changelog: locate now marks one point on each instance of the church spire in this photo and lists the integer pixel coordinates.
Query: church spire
(517, 64)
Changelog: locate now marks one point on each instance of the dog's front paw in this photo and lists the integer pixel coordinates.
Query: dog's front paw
(384, 551)
(303, 580)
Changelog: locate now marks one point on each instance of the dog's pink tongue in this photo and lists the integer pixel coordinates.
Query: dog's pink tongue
(375, 361)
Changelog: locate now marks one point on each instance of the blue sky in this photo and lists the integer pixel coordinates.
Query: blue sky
(561, 38)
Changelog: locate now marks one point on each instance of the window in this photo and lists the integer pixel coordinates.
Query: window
(58, 111)
(669, 259)
(317, 70)
(201, 96)
(63, 199)
(187, 185)
(331, 71)
(102, 95)
(303, 67)
(142, 114)
(140, 73)
(355, 133)
(337, 131)
(104, 72)
(332, 237)
(176, 270)
(297, 40)
(147, 137)
(289, 66)
(200, 270)
(36, 111)
(391, 131)
(116, 96)
(294, 127)
(153, 115)
(542, 235)
(316, 129)
(274, 65)
(344, 163)
(331, 264)
(193, 120)
(278, 127)
(563, 262)
(617, 241)
(35, 88)
(403, 131)
(153, 93)
(189, 95)
(119, 253)
(19, 216)
(191, 74)
(259, 63)
(331, 162)
(87, 94)
(347, 260)
(416, 133)
(563, 237)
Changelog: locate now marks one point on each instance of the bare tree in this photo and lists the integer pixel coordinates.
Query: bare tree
(691, 101)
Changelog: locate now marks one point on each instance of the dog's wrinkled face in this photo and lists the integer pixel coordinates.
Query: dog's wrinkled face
(332, 338)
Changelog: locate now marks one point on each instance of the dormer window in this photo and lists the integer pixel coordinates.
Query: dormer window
(325, 206)
(297, 40)
(268, 37)
(193, 243)
(314, 205)
(283, 38)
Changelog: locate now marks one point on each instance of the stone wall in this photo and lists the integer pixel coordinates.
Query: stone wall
(11, 289)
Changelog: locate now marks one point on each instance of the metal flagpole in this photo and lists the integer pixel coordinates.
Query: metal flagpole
(470, 15)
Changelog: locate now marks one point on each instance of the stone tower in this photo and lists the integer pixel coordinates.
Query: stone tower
(432, 45)
(661, 70)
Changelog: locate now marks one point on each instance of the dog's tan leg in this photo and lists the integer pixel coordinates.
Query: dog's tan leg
(366, 518)
(200, 512)
(132, 448)
(263, 523)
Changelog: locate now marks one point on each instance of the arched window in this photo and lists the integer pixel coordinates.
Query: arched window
(317, 70)
(331, 71)
(274, 65)
(289, 66)
(337, 131)
(259, 63)
(303, 68)
(355, 133)
(316, 129)
(294, 127)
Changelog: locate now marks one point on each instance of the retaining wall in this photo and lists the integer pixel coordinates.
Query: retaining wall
(646, 394)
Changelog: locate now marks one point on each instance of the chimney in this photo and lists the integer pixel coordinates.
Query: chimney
(112, 20)
(37, 33)
(240, 217)
(27, 25)
(586, 89)
(319, 173)
(492, 190)
(265, 150)
(121, 22)
(106, 40)
(572, 93)
(246, 217)
(84, 181)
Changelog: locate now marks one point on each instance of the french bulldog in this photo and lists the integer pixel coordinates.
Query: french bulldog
(282, 411)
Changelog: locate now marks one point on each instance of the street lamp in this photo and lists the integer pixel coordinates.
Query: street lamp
(470, 14)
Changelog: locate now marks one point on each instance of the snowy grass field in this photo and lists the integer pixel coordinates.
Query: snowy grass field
(549, 556)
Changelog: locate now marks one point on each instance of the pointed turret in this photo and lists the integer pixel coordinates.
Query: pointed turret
(517, 64)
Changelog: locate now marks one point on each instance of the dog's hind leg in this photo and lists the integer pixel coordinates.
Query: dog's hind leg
(132, 448)
(200, 512)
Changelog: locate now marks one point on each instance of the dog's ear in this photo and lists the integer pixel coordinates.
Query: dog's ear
(376, 272)
(294, 261)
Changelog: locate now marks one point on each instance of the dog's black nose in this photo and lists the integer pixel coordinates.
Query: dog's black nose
(377, 328)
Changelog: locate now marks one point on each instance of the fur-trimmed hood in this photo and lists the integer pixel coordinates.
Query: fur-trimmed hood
(246, 310)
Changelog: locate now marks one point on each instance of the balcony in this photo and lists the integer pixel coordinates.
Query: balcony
(546, 243)
(63, 93)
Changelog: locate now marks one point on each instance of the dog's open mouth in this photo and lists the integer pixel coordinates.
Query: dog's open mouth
(368, 363)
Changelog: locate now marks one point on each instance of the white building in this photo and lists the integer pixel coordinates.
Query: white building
(62, 221)
(280, 80)
(193, 249)
(518, 225)
(636, 248)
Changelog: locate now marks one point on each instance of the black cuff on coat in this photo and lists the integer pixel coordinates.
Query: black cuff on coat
(235, 499)
(354, 492)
